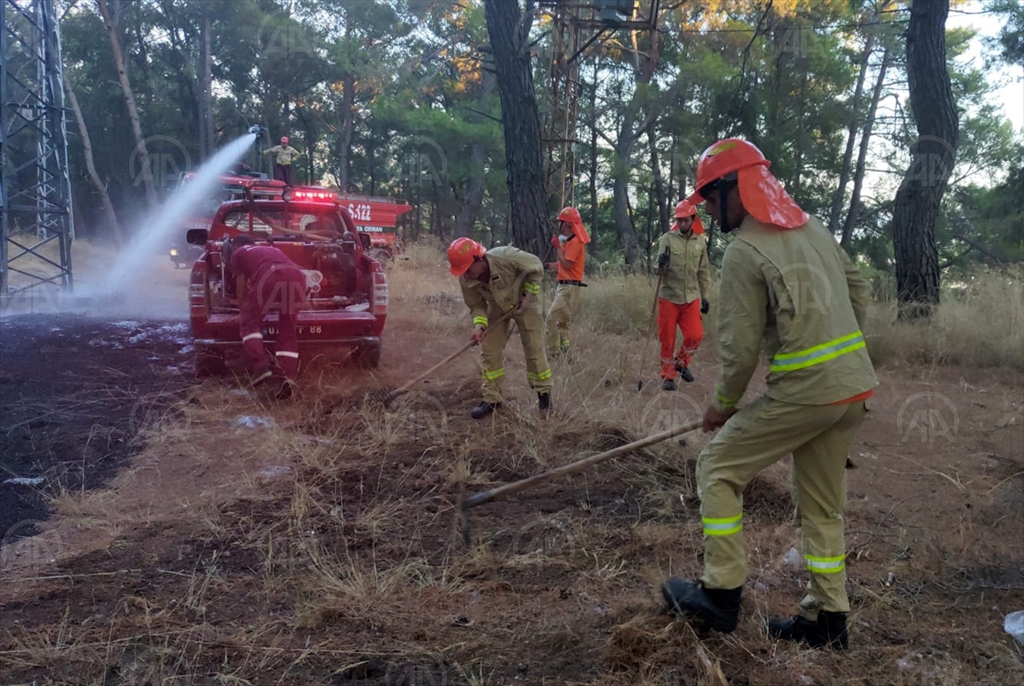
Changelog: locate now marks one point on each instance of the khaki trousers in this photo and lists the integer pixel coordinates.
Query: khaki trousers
(819, 437)
(567, 298)
(492, 350)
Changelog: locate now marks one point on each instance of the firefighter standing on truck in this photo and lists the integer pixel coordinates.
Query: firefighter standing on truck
(267, 281)
(493, 283)
(784, 277)
(284, 156)
(570, 256)
(683, 298)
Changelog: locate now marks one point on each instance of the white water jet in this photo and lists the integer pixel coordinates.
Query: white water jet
(159, 227)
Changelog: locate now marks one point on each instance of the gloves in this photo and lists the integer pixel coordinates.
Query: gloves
(555, 243)
(663, 261)
(705, 306)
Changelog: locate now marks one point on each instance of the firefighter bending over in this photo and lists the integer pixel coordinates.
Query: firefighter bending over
(267, 281)
(683, 298)
(571, 257)
(784, 277)
(493, 283)
(284, 156)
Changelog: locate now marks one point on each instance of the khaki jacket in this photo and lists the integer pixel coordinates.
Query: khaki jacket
(514, 272)
(283, 155)
(687, 277)
(797, 292)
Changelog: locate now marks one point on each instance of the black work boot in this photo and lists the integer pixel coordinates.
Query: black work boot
(828, 632)
(287, 390)
(719, 608)
(685, 373)
(484, 409)
(259, 376)
(668, 385)
(544, 402)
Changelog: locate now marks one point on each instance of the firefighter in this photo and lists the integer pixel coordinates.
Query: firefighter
(683, 298)
(284, 155)
(493, 283)
(570, 258)
(786, 279)
(267, 281)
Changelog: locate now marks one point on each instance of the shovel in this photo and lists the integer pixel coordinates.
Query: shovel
(385, 396)
(508, 489)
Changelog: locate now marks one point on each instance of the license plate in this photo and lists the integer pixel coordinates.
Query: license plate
(303, 330)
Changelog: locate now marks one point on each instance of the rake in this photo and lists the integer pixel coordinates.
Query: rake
(508, 489)
(650, 328)
(385, 396)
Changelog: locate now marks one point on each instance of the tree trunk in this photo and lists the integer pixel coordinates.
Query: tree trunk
(129, 100)
(851, 137)
(206, 88)
(917, 201)
(862, 155)
(509, 31)
(475, 193)
(593, 166)
(348, 97)
(90, 165)
(660, 194)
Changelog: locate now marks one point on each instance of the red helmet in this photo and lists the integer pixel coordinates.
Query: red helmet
(722, 159)
(685, 209)
(461, 254)
(284, 140)
(571, 215)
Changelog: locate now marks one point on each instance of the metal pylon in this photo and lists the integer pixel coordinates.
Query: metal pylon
(35, 189)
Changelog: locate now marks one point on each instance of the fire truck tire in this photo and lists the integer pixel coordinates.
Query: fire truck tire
(209, 364)
(368, 356)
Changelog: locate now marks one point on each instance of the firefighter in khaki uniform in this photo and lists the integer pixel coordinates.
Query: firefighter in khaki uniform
(683, 298)
(786, 279)
(494, 282)
(284, 156)
(571, 257)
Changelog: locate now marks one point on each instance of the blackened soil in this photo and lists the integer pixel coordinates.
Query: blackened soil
(74, 394)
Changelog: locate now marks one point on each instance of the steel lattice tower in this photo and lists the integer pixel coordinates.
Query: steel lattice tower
(35, 189)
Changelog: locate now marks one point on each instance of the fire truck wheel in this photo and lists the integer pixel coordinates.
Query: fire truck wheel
(210, 364)
(368, 356)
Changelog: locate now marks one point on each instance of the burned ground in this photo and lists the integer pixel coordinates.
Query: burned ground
(318, 542)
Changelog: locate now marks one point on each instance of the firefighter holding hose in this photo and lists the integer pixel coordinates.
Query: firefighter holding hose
(784, 280)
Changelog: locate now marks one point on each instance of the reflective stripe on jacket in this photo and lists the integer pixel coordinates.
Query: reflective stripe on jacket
(514, 272)
(687, 277)
(799, 294)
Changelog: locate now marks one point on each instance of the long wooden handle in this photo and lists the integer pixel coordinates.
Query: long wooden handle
(650, 329)
(516, 486)
(404, 388)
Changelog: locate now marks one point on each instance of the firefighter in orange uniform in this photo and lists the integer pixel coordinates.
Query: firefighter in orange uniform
(787, 283)
(683, 298)
(495, 282)
(571, 255)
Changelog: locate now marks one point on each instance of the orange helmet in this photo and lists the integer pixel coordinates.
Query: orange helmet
(461, 254)
(722, 159)
(571, 215)
(685, 209)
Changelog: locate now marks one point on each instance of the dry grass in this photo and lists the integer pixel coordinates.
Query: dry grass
(344, 564)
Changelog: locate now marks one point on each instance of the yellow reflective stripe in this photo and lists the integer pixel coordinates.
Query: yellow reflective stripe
(722, 526)
(482, 321)
(725, 402)
(532, 288)
(543, 376)
(492, 375)
(826, 565)
(820, 353)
